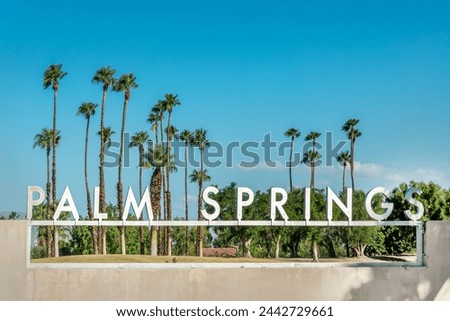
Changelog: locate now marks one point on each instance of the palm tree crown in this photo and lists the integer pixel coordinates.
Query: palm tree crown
(292, 133)
(105, 76)
(87, 110)
(199, 139)
(199, 176)
(107, 134)
(44, 139)
(53, 75)
(124, 84)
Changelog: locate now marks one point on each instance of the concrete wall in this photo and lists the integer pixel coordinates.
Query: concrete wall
(21, 282)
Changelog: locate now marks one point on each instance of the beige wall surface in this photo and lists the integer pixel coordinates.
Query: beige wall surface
(22, 281)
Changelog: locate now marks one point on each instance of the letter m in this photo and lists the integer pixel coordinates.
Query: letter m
(131, 202)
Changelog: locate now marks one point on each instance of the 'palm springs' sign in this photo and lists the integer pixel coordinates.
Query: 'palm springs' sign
(245, 197)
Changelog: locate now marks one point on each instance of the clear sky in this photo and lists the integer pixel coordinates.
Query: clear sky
(242, 69)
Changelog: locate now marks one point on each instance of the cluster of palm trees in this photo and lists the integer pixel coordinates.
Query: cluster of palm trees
(345, 158)
(157, 156)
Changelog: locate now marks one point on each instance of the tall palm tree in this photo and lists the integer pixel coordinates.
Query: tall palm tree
(310, 158)
(199, 140)
(87, 110)
(199, 177)
(186, 137)
(154, 119)
(106, 143)
(104, 76)
(44, 140)
(159, 109)
(314, 156)
(352, 134)
(52, 75)
(293, 134)
(107, 134)
(124, 84)
(169, 102)
(138, 140)
(157, 159)
(344, 159)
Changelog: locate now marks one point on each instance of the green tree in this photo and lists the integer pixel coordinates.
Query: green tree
(201, 142)
(157, 159)
(87, 110)
(124, 84)
(186, 136)
(292, 133)
(138, 140)
(170, 102)
(13, 216)
(158, 118)
(104, 76)
(310, 158)
(313, 155)
(106, 143)
(44, 140)
(352, 133)
(52, 76)
(154, 120)
(344, 159)
(199, 177)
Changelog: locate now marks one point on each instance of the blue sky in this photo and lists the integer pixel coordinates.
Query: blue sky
(242, 69)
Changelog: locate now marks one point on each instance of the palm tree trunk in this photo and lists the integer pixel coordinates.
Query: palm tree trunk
(48, 209)
(352, 162)
(200, 204)
(186, 206)
(119, 183)
(163, 235)
(169, 197)
(86, 182)
(102, 202)
(290, 165)
(54, 201)
(155, 190)
(141, 228)
(313, 166)
(343, 178)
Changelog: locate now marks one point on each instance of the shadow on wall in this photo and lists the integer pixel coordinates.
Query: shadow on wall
(431, 282)
(384, 285)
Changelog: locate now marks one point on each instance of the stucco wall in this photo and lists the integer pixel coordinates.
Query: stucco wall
(19, 282)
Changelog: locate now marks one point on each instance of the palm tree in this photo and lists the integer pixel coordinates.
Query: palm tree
(124, 84)
(44, 140)
(344, 159)
(157, 159)
(186, 137)
(169, 102)
(104, 76)
(314, 156)
(52, 75)
(106, 143)
(199, 177)
(352, 134)
(87, 110)
(293, 134)
(201, 142)
(138, 140)
(13, 216)
(158, 110)
(310, 158)
(107, 134)
(154, 119)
